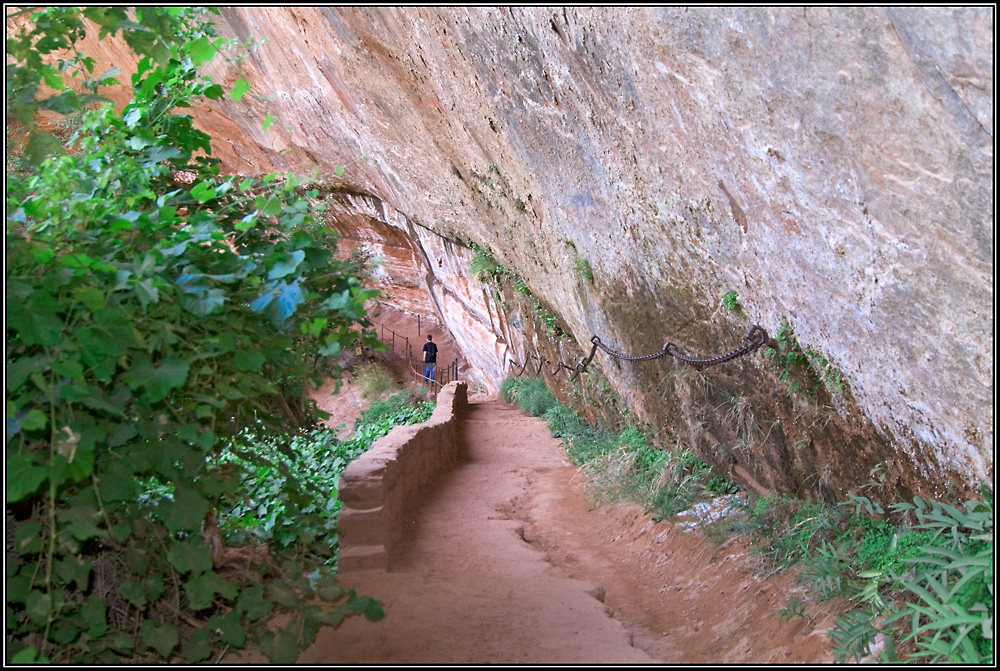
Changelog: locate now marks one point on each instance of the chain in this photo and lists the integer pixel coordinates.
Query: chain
(756, 337)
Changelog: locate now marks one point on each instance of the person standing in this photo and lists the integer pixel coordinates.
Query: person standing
(430, 358)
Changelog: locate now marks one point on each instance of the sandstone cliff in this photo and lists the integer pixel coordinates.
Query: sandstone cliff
(833, 166)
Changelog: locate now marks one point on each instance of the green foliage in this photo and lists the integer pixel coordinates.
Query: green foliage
(484, 267)
(529, 393)
(807, 369)
(382, 416)
(620, 466)
(731, 302)
(547, 318)
(287, 494)
(795, 608)
(789, 529)
(159, 319)
(582, 268)
(288, 488)
(923, 583)
(681, 483)
(719, 486)
(826, 569)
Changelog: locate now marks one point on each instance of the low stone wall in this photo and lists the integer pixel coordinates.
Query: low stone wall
(378, 486)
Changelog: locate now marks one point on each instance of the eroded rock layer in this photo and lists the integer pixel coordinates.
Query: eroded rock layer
(832, 166)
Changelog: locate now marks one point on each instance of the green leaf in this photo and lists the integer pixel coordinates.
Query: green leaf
(198, 648)
(283, 648)
(204, 301)
(240, 88)
(29, 656)
(73, 571)
(185, 512)
(253, 602)
(286, 267)
(330, 349)
(134, 593)
(272, 207)
(201, 589)
(34, 420)
(132, 117)
(201, 50)
(250, 360)
(94, 612)
(28, 538)
(203, 191)
(23, 476)
(36, 325)
(229, 628)
(163, 639)
(190, 557)
(160, 380)
(283, 595)
(268, 120)
(82, 521)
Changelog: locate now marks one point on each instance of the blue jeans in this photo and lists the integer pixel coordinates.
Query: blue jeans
(429, 370)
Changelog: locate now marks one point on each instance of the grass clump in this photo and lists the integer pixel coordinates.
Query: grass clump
(529, 393)
(381, 416)
(375, 381)
(582, 268)
(622, 466)
(484, 267)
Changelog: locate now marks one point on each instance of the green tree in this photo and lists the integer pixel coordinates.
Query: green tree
(150, 319)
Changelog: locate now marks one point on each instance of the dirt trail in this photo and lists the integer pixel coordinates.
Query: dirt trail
(504, 563)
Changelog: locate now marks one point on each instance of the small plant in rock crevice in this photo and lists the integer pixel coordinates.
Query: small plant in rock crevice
(485, 268)
(582, 268)
(730, 301)
(807, 369)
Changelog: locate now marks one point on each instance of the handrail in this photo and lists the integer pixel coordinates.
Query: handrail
(442, 375)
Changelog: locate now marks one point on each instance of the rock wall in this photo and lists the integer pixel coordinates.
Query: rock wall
(380, 486)
(833, 166)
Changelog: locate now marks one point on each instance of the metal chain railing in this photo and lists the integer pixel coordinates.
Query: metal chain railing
(756, 337)
(442, 374)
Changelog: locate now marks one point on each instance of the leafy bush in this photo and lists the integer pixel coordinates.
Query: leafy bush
(808, 369)
(158, 319)
(947, 615)
(582, 267)
(382, 416)
(508, 388)
(288, 489)
(484, 267)
(789, 529)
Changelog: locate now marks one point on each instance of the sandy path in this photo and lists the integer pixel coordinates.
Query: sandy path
(504, 563)
(467, 588)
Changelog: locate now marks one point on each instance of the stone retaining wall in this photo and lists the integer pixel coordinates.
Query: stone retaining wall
(379, 485)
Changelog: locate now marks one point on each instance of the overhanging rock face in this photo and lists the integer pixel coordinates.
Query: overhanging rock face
(833, 166)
